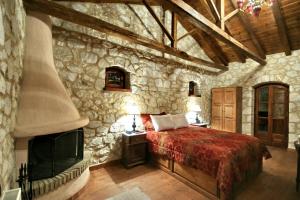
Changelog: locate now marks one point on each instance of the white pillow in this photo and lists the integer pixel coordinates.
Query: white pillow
(162, 122)
(180, 121)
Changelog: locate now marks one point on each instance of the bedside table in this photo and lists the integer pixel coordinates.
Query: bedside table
(134, 149)
(202, 124)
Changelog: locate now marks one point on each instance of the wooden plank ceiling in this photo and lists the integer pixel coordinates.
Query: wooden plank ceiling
(277, 29)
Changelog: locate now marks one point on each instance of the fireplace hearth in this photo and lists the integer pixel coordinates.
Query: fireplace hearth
(49, 155)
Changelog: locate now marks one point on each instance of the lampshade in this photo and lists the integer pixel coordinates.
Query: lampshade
(195, 108)
(133, 109)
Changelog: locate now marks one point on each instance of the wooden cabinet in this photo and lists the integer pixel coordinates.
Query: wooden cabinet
(226, 109)
(272, 113)
(134, 149)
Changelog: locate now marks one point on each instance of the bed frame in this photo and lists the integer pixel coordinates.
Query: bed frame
(195, 178)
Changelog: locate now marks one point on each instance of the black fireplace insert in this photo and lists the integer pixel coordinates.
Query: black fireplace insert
(49, 155)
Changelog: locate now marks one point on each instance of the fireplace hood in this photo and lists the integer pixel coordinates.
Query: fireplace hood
(44, 105)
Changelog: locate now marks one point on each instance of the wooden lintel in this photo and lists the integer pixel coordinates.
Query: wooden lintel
(282, 28)
(156, 18)
(230, 15)
(199, 21)
(68, 14)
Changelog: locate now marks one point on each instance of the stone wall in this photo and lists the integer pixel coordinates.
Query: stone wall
(135, 18)
(157, 85)
(280, 68)
(11, 53)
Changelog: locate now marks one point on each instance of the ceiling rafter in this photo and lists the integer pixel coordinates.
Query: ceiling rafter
(282, 28)
(68, 14)
(199, 21)
(245, 22)
(156, 18)
(186, 34)
(216, 18)
(206, 42)
(141, 21)
(174, 30)
(151, 2)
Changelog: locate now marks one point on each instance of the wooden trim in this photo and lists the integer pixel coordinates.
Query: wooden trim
(282, 28)
(271, 82)
(156, 18)
(117, 89)
(107, 164)
(76, 17)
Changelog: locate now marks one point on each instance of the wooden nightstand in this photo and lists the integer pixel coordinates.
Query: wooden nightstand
(134, 149)
(203, 124)
(297, 146)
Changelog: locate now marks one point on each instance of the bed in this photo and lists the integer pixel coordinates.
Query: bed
(211, 161)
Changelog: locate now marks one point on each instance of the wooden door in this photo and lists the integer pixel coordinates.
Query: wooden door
(271, 114)
(229, 110)
(217, 108)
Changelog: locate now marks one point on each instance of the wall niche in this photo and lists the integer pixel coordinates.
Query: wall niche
(193, 90)
(117, 79)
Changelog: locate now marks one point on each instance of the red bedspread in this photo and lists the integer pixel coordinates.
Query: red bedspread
(223, 155)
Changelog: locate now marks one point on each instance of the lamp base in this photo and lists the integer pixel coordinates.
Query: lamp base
(134, 132)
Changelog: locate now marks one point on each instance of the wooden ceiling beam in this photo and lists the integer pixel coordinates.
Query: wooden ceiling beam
(245, 22)
(174, 30)
(156, 18)
(221, 9)
(282, 28)
(214, 10)
(68, 14)
(206, 42)
(151, 2)
(215, 14)
(186, 34)
(230, 15)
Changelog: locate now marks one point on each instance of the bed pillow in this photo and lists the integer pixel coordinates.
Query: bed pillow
(146, 119)
(180, 121)
(163, 122)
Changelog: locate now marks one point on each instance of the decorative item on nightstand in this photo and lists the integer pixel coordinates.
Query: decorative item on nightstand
(132, 109)
(197, 110)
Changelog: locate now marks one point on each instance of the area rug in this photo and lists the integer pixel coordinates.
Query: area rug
(132, 194)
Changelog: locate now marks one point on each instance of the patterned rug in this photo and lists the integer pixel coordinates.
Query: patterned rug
(132, 194)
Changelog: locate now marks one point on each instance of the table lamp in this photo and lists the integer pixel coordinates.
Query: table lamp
(197, 110)
(133, 110)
